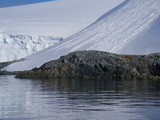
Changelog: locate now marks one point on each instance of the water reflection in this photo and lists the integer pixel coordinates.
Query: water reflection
(24, 99)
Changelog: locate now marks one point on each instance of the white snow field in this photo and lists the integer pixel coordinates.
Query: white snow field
(60, 18)
(131, 28)
(14, 47)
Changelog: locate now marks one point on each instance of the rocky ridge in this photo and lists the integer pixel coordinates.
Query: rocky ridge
(97, 64)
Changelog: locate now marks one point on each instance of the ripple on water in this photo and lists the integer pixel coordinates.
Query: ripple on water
(25, 99)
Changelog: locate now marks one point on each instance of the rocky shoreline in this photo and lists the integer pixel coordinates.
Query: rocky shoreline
(5, 64)
(97, 64)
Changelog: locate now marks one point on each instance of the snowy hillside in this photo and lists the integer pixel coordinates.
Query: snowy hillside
(132, 27)
(60, 18)
(14, 47)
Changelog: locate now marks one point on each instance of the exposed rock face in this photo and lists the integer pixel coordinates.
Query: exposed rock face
(97, 64)
(5, 64)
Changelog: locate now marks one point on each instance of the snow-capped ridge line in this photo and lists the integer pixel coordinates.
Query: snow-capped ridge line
(112, 11)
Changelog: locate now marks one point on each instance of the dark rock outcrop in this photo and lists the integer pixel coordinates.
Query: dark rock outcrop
(97, 64)
(5, 64)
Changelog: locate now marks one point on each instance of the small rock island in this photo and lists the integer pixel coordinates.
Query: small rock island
(98, 64)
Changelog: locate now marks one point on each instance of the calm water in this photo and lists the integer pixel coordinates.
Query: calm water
(25, 99)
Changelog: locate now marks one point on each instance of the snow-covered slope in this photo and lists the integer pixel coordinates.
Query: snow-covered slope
(132, 27)
(60, 18)
(14, 47)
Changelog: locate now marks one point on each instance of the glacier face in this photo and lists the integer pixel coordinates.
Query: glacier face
(132, 27)
(14, 47)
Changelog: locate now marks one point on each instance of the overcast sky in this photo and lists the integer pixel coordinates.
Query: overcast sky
(8, 3)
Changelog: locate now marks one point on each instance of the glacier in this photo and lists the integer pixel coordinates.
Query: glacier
(22, 26)
(14, 47)
(131, 28)
(60, 18)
